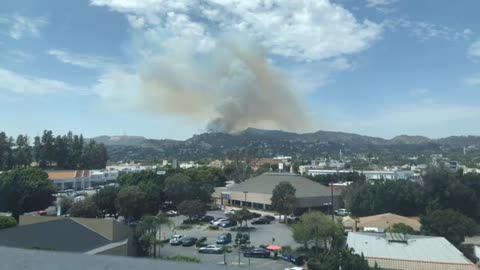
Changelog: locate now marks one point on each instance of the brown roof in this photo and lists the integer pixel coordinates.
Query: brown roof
(397, 264)
(59, 175)
(384, 221)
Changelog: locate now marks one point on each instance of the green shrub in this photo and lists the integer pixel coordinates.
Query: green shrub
(228, 249)
(7, 222)
(184, 227)
(180, 258)
(213, 228)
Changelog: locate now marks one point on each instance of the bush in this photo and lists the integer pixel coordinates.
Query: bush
(286, 250)
(180, 258)
(242, 229)
(7, 222)
(184, 227)
(213, 228)
(227, 249)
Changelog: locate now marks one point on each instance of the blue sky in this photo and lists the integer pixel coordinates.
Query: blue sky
(165, 69)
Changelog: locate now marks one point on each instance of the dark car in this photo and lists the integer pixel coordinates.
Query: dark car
(260, 221)
(271, 218)
(188, 241)
(297, 260)
(228, 223)
(257, 253)
(224, 239)
(206, 219)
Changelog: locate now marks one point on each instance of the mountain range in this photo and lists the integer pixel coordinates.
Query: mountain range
(255, 143)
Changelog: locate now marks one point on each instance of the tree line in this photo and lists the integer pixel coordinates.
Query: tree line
(48, 151)
(444, 200)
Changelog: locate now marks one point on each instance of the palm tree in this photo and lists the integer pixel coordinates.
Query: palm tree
(152, 226)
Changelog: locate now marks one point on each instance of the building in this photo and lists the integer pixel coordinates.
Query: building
(256, 192)
(13, 259)
(379, 223)
(82, 235)
(407, 252)
(81, 179)
(369, 175)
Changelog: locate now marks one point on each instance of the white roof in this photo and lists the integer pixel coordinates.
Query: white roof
(418, 248)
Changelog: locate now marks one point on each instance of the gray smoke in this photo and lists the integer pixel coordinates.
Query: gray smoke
(233, 85)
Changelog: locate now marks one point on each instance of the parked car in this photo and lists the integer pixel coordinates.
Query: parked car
(228, 223)
(260, 221)
(206, 218)
(257, 253)
(229, 212)
(224, 239)
(292, 219)
(217, 221)
(297, 260)
(341, 212)
(271, 218)
(172, 213)
(176, 239)
(211, 249)
(188, 241)
(295, 268)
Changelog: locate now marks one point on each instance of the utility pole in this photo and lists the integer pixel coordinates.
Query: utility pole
(245, 199)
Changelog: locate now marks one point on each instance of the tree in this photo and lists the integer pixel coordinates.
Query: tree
(283, 198)
(105, 200)
(148, 234)
(130, 202)
(448, 223)
(7, 222)
(85, 208)
(22, 154)
(149, 182)
(5, 152)
(316, 230)
(178, 188)
(66, 204)
(191, 208)
(25, 189)
(344, 259)
(401, 228)
(242, 215)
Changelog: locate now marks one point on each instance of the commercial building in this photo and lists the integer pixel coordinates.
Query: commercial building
(81, 179)
(407, 252)
(369, 175)
(256, 192)
(379, 223)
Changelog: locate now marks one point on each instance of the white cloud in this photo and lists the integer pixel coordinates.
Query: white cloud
(384, 6)
(303, 29)
(473, 80)
(20, 84)
(82, 60)
(22, 26)
(426, 31)
(16, 56)
(474, 50)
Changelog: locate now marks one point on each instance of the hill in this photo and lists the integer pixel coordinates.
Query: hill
(255, 143)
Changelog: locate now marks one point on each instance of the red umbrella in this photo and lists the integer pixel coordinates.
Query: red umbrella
(274, 248)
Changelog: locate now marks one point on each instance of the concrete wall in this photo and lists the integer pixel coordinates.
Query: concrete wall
(108, 228)
(116, 251)
(27, 220)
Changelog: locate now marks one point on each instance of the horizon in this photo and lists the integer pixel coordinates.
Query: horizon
(173, 69)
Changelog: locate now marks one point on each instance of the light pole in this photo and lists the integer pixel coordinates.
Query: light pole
(245, 199)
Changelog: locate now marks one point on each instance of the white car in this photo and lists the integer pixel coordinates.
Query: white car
(295, 268)
(218, 221)
(176, 239)
(342, 212)
(229, 212)
(172, 213)
(211, 249)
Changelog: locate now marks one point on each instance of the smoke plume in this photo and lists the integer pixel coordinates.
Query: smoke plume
(231, 84)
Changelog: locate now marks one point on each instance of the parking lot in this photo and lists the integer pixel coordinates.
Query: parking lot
(263, 235)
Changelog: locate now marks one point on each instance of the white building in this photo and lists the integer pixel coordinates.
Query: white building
(370, 175)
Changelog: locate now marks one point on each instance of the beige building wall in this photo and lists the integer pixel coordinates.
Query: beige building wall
(108, 228)
(251, 197)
